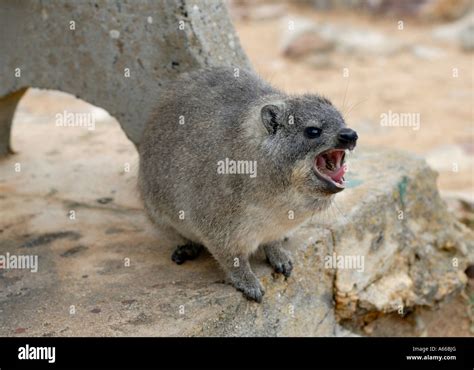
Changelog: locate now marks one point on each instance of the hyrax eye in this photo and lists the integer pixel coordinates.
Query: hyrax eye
(312, 132)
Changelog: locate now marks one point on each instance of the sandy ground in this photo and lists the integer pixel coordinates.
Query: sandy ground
(400, 83)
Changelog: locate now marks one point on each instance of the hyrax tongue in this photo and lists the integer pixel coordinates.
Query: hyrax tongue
(338, 170)
(338, 174)
(330, 164)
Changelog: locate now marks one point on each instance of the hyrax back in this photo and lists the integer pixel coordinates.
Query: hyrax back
(224, 159)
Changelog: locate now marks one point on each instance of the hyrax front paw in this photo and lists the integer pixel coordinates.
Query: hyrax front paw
(249, 285)
(279, 259)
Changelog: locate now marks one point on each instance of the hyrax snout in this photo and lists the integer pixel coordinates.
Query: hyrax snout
(225, 157)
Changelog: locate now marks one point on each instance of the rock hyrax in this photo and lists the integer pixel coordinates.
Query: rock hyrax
(226, 158)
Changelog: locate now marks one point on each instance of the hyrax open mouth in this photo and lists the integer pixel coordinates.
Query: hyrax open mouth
(329, 167)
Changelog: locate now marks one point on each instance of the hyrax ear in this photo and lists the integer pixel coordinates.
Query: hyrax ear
(273, 116)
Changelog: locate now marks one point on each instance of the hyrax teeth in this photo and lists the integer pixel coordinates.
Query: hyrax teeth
(330, 165)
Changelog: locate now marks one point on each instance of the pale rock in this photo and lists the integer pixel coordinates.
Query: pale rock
(460, 32)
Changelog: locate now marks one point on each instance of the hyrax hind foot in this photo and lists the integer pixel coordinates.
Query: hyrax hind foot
(186, 252)
(278, 258)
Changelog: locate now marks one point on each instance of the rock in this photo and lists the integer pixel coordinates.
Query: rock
(429, 9)
(322, 60)
(445, 9)
(260, 12)
(407, 262)
(343, 332)
(449, 158)
(414, 250)
(389, 294)
(465, 199)
(466, 37)
(460, 32)
(306, 43)
(122, 51)
(362, 42)
(427, 53)
(303, 36)
(461, 204)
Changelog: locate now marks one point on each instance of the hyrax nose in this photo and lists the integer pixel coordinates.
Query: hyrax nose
(347, 136)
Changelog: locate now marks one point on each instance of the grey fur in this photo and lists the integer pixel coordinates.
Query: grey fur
(233, 214)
